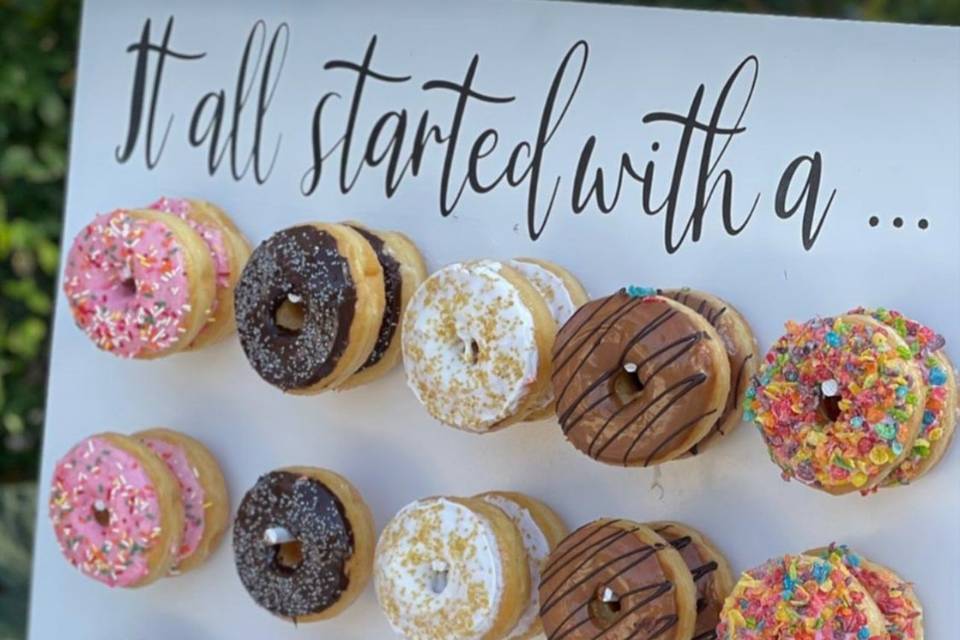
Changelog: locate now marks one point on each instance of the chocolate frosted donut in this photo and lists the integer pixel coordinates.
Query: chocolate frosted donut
(639, 379)
(616, 579)
(303, 543)
(393, 286)
(301, 265)
(403, 271)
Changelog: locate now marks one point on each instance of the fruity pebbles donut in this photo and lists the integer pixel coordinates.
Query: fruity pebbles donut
(617, 579)
(940, 411)
(451, 569)
(303, 543)
(838, 401)
(116, 511)
(206, 505)
(895, 598)
(800, 598)
(476, 345)
(309, 306)
(639, 378)
(140, 283)
(229, 250)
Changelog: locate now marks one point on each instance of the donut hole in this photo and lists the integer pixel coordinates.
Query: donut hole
(100, 513)
(471, 350)
(290, 315)
(128, 287)
(605, 607)
(288, 556)
(439, 576)
(830, 408)
(627, 383)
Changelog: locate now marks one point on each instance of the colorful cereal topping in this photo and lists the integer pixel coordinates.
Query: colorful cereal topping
(834, 400)
(800, 598)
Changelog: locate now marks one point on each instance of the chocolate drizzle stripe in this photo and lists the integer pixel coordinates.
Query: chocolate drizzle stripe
(594, 547)
(685, 385)
(612, 319)
(560, 347)
(703, 570)
(590, 407)
(663, 624)
(676, 432)
(660, 588)
(706, 635)
(643, 552)
(645, 331)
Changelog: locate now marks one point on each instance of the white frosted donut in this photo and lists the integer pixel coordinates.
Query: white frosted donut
(471, 347)
(537, 546)
(439, 571)
(551, 288)
(559, 300)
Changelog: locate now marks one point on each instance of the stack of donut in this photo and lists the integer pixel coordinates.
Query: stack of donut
(128, 510)
(477, 337)
(466, 568)
(614, 578)
(856, 402)
(318, 305)
(150, 282)
(645, 376)
(831, 592)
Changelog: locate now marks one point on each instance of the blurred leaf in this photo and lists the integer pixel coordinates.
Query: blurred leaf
(25, 337)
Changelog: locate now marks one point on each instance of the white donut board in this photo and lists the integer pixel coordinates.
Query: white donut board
(824, 125)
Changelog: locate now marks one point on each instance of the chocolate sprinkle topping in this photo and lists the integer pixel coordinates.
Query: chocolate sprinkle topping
(303, 262)
(393, 287)
(312, 513)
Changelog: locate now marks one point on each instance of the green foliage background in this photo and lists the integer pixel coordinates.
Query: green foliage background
(38, 40)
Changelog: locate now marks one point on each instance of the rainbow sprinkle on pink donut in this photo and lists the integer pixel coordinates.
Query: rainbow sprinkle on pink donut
(126, 283)
(213, 237)
(191, 491)
(97, 483)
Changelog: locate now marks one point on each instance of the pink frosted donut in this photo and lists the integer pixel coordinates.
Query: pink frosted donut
(213, 237)
(190, 490)
(116, 511)
(203, 492)
(134, 283)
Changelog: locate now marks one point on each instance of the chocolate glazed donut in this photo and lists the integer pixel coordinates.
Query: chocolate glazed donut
(300, 265)
(309, 512)
(613, 579)
(638, 380)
